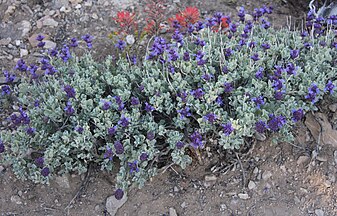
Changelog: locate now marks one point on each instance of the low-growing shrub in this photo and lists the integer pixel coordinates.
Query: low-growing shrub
(216, 78)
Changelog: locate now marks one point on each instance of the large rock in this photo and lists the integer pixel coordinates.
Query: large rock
(112, 204)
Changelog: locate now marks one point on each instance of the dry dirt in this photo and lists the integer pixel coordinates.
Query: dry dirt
(284, 179)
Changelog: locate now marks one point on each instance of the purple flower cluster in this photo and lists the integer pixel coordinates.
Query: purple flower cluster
(2, 147)
(133, 166)
(9, 77)
(259, 73)
(64, 54)
(184, 112)
(148, 107)
(73, 42)
(143, 157)
(124, 121)
(228, 87)
(180, 144)
(21, 65)
(297, 115)
(119, 148)
(227, 128)
(112, 131)
(120, 103)
(39, 162)
(198, 93)
(313, 91)
(88, 39)
(134, 101)
(260, 126)
(329, 87)
(275, 123)
(70, 91)
(41, 42)
(6, 90)
(45, 171)
(69, 110)
(108, 154)
(106, 104)
(178, 37)
(120, 45)
(20, 119)
(158, 48)
(119, 193)
(196, 140)
(258, 101)
(210, 117)
(294, 53)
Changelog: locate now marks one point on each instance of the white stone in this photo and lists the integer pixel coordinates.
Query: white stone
(63, 181)
(65, 9)
(251, 185)
(112, 204)
(23, 52)
(16, 199)
(172, 212)
(25, 27)
(266, 175)
(319, 212)
(94, 16)
(243, 196)
(49, 44)
(10, 10)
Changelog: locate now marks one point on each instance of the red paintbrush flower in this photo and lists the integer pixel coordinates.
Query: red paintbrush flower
(189, 16)
(125, 20)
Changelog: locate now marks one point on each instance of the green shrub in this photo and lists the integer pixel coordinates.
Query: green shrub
(225, 82)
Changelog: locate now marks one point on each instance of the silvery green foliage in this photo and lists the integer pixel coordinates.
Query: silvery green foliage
(228, 86)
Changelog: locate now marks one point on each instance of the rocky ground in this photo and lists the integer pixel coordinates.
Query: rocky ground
(284, 179)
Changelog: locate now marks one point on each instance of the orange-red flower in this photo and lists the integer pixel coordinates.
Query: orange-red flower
(189, 15)
(126, 21)
(224, 23)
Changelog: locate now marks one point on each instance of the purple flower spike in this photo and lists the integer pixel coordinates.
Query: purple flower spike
(119, 193)
(124, 122)
(39, 162)
(119, 147)
(255, 57)
(210, 117)
(45, 172)
(260, 126)
(148, 107)
(185, 112)
(259, 73)
(70, 91)
(69, 109)
(180, 145)
(108, 153)
(198, 93)
(258, 101)
(143, 157)
(2, 147)
(275, 123)
(112, 131)
(196, 140)
(228, 87)
(120, 45)
(297, 115)
(133, 166)
(227, 128)
(294, 53)
(40, 37)
(329, 87)
(106, 105)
